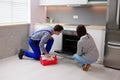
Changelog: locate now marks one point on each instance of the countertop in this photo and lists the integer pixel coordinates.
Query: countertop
(72, 26)
(66, 26)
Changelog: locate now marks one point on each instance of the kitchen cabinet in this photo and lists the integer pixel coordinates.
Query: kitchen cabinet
(96, 0)
(61, 2)
(70, 2)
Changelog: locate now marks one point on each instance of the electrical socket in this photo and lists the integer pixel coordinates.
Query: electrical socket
(75, 16)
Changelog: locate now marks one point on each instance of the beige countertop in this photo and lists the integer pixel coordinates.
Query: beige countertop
(72, 26)
(96, 27)
(66, 26)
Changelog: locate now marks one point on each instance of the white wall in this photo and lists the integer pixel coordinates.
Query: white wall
(94, 15)
(12, 39)
(38, 14)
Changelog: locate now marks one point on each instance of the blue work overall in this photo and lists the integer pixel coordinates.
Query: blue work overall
(34, 44)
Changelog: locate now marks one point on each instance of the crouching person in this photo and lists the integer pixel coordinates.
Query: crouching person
(38, 40)
(87, 52)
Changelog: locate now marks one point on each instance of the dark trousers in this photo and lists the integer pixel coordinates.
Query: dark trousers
(34, 44)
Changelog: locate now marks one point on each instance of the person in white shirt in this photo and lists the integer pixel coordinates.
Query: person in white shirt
(87, 52)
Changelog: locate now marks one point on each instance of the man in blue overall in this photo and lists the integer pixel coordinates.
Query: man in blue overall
(38, 40)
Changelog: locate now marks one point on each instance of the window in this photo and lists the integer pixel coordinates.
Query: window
(12, 11)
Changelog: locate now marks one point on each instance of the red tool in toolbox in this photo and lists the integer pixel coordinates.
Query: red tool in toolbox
(48, 61)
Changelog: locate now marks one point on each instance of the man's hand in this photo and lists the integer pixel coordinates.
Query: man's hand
(47, 55)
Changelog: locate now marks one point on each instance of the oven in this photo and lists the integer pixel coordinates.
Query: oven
(69, 42)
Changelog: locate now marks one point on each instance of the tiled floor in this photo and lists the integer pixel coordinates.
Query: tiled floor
(27, 69)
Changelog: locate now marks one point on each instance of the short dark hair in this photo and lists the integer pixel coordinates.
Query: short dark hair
(58, 28)
(81, 30)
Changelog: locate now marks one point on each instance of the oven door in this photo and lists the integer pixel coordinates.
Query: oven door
(70, 44)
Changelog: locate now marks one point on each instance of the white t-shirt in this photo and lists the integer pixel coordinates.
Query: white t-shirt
(87, 46)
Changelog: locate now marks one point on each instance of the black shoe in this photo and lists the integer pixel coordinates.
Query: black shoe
(21, 53)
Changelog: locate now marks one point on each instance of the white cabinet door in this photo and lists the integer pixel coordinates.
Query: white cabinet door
(77, 1)
(57, 45)
(52, 2)
(99, 38)
(61, 2)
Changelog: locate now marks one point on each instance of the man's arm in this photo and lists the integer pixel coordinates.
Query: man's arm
(43, 41)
